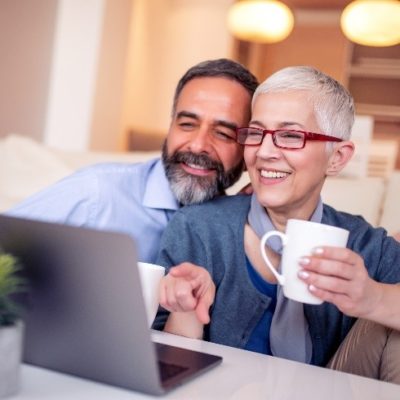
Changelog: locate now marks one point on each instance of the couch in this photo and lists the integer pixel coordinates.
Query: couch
(27, 166)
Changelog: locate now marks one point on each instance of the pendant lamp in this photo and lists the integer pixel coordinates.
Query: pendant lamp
(260, 21)
(372, 22)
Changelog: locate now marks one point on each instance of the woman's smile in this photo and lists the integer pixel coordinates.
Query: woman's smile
(272, 176)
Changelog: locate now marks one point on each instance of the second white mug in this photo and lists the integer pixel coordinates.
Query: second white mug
(150, 277)
(300, 238)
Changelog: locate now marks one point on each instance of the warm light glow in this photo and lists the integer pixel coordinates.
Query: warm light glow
(261, 21)
(372, 23)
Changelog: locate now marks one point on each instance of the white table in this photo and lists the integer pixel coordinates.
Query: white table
(242, 375)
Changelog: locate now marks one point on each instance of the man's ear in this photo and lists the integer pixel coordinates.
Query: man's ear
(342, 153)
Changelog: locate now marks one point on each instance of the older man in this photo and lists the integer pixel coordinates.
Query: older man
(200, 159)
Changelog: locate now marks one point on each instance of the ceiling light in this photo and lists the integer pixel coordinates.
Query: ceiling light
(372, 22)
(260, 21)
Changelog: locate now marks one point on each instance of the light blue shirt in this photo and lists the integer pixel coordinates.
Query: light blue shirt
(130, 198)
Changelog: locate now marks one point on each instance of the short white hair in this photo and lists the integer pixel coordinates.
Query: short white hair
(333, 104)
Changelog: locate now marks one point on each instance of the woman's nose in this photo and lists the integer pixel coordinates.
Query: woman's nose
(267, 148)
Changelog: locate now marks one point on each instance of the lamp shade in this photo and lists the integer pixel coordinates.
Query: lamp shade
(260, 21)
(372, 22)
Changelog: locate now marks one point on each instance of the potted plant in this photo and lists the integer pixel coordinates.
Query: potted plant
(11, 326)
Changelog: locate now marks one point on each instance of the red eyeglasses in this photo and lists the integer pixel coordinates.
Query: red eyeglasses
(282, 138)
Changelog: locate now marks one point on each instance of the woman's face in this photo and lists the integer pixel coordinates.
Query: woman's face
(286, 182)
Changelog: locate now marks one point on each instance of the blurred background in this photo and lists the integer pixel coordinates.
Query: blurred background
(100, 74)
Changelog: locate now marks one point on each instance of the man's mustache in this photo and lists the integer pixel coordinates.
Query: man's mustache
(202, 160)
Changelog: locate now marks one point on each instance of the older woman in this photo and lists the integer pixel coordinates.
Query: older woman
(298, 135)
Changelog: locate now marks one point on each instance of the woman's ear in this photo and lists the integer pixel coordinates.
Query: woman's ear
(342, 153)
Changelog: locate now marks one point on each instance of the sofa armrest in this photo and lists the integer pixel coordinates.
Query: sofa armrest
(76, 160)
(28, 166)
(358, 196)
(390, 218)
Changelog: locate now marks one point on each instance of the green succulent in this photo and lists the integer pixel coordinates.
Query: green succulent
(10, 283)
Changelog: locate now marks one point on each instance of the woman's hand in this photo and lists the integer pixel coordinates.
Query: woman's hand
(188, 287)
(247, 189)
(338, 275)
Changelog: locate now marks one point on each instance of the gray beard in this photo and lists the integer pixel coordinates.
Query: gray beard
(192, 189)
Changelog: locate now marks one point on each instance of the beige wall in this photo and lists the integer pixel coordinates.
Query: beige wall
(26, 40)
(167, 37)
(80, 74)
(315, 40)
(109, 87)
(138, 52)
(62, 70)
(77, 43)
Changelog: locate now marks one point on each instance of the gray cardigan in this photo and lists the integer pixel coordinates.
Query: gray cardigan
(211, 235)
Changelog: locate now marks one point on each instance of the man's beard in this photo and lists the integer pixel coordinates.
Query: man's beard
(191, 189)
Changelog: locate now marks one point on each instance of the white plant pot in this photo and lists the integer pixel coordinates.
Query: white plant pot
(11, 342)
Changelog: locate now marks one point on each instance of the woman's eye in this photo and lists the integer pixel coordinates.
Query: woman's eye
(290, 135)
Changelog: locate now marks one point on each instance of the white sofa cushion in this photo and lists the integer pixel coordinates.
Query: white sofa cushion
(28, 166)
(390, 218)
(361, 196)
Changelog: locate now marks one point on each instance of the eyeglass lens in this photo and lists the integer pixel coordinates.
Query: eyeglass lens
(284, 138)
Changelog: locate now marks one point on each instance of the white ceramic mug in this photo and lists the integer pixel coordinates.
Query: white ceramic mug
(150, 277)
(300, 239)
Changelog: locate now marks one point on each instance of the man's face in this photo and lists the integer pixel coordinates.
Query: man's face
(201, 156)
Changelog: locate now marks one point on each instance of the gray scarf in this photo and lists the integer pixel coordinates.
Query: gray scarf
(289, 336)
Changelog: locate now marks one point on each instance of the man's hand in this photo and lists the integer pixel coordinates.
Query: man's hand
(188, 287)
(248, 189)
(397, 236)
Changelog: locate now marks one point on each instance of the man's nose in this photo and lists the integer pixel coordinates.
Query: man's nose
(200, 141)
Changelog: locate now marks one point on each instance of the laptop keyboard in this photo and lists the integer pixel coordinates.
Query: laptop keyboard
(168, 370)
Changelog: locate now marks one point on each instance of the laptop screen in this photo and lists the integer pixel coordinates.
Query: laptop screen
(84, 311)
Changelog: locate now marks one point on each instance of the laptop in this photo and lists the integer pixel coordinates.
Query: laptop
(84, 310)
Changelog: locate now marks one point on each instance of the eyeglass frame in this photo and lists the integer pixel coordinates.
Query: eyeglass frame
(307, 136)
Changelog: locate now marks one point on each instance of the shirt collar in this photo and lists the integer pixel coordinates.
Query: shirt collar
(157, 193)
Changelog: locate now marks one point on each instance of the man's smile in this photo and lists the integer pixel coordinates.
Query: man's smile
(195, 169)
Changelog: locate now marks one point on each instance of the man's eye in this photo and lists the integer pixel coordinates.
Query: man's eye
(225, 135)
(254, 134)
(186, 125)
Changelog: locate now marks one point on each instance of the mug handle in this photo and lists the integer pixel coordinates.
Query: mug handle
(280, 278)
